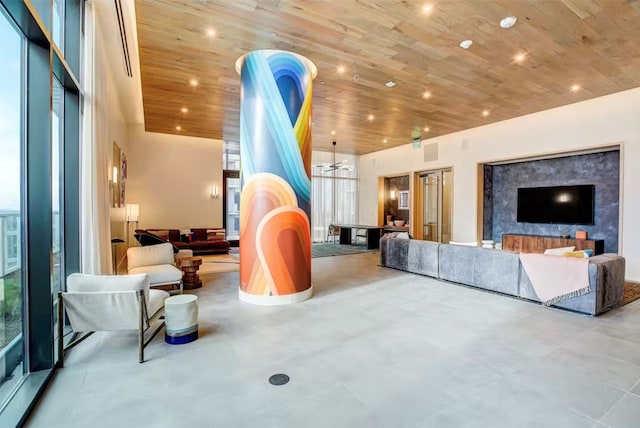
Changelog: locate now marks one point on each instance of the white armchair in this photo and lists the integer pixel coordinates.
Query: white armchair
(110, 303)
(158, 262)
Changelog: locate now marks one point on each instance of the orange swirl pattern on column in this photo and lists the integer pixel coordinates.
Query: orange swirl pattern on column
(262, 193)
(284, 250)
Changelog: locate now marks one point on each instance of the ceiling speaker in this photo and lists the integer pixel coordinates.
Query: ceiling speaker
(430, 152)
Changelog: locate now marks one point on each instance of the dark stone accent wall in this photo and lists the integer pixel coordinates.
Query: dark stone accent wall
(487, 218)
(391, 206)
(600, 169)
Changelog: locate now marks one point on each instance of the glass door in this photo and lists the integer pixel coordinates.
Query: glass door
(431, 213)
(436, 205)
(231, 206)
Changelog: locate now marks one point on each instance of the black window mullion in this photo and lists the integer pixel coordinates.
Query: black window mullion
(71, 183)
(39, 322)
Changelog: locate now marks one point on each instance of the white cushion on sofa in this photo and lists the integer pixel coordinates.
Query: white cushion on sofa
(559, 251)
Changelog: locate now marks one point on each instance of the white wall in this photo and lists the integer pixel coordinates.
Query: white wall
(171, 176)
(596, 122)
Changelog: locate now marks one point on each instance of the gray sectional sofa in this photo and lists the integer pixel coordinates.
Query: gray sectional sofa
(500, 271)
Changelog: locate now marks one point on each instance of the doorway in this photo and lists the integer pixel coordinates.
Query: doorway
(435, 190)
(231, 206)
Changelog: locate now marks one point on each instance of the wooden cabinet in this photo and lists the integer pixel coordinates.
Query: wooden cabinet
(537, 244)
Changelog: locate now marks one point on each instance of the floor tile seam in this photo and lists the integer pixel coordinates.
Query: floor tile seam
(582, 333)
(602, 354)
(598, 381)
(376, 409)
(616, 404)
(523, 382)
(591, 418)
(631, 389)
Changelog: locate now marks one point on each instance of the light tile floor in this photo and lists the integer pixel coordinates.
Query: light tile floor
(373, 348)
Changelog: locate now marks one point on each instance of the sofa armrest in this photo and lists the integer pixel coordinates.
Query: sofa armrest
(609, 275)
(394, 253)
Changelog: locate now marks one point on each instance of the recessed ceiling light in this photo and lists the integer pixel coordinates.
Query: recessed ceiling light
(385, 141)
(519, 57)
(356, 77)
(370, 117)
(466, 44)
(508, 22)
(575, 88)
(184, 110)
(425, 129)
(341, 69)
(426, 94)
(390, 84)
(333, 132)
(485, 113)
(193, 82)
(178, 128)
(211, 32)
(427, 8)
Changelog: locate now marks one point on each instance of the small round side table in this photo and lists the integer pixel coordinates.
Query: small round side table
(181, 319)
(190, 266)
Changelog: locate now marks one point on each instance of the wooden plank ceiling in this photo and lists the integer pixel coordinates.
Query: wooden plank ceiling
(591, 43)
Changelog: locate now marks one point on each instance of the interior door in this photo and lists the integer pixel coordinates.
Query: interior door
(437, 188)
(431, 213)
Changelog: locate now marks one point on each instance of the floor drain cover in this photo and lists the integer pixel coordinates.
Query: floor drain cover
(278, 379)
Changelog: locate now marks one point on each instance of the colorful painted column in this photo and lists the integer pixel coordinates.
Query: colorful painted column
(275, 155)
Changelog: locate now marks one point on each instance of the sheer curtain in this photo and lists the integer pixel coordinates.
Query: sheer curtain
(334, 192)
(95, 152)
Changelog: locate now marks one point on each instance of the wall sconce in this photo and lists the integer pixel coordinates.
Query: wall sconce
(392, 194)
(115, 175)
(215, 192)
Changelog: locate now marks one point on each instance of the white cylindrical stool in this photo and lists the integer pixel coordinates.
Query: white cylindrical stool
(181, 319)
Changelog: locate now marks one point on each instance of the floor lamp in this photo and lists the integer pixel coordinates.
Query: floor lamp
(114, 243)
(132, 212)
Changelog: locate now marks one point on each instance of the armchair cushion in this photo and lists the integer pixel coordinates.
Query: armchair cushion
(108, 303)
(159, 274)
(84, 283)
(149, 256)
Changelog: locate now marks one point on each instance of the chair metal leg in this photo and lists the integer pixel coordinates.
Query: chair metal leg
(141, 327)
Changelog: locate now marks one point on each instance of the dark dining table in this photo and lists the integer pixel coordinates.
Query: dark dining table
(372, 234)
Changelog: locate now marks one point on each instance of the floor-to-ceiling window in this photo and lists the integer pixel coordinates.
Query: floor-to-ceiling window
(334, 197)
(231, 191)
(11, 262)
(39, 181)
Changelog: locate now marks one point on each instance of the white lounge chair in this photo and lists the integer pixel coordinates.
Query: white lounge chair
(110, 303)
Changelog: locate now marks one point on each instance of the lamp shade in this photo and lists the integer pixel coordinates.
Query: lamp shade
(133, 211)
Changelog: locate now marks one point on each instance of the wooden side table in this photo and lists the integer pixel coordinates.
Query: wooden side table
(190, 266)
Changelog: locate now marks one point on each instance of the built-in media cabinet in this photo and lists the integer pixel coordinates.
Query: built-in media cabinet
(537, 244)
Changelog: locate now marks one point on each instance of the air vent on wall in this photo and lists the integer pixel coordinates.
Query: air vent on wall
(123, 38)
(431, 152)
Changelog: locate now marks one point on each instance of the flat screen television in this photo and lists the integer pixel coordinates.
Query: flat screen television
(558, 204)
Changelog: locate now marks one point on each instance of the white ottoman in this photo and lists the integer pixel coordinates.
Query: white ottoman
(181, 319)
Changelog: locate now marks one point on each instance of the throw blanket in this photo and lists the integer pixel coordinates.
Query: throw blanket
(556, 278)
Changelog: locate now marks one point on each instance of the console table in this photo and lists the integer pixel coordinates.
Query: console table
(373, 234)
(537, 244)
